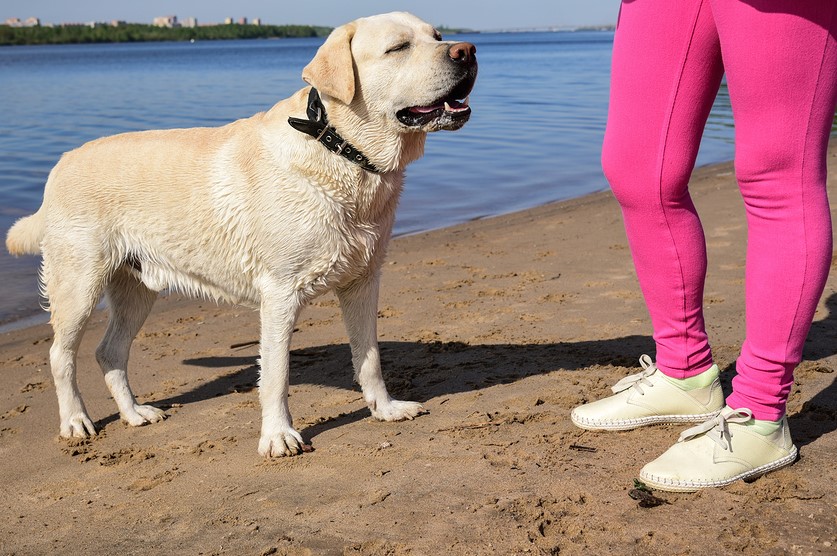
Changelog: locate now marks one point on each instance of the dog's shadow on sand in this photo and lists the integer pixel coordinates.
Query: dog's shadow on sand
(416, 370)
(427, 370)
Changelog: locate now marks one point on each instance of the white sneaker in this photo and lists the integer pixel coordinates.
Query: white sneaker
(647, 398)
(720, 452)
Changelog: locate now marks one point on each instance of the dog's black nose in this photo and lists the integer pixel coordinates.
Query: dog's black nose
(462, 52)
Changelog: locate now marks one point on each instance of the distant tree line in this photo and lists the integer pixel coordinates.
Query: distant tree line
(445, 30)
(133, 32)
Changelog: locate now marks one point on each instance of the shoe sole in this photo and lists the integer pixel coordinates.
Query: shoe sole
(628, 424)
(694, 486)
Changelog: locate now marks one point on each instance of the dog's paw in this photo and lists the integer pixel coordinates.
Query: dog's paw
(77, 426)
(397, 410)
(286, 442)
(142, 415)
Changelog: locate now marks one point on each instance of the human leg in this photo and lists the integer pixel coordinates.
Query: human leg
(666, 73)
(665, 76)
(781, 62)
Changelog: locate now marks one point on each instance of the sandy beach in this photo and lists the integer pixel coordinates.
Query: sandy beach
(499, 326)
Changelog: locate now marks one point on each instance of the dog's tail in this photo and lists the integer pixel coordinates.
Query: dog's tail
(24, 238)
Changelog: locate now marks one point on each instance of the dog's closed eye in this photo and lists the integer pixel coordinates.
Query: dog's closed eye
(399, 47)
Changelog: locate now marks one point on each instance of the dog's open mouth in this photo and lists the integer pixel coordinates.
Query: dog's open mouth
(417, 116)
(449, 112)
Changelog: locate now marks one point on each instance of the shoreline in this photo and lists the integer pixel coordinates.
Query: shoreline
(42, 317)
(499, 326)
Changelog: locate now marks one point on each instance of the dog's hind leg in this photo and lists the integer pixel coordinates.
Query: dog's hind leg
(129, 301)
(359, 302)
(73, 283)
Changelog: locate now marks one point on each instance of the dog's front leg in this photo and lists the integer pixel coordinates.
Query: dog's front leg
(359, 302)
(278, 316)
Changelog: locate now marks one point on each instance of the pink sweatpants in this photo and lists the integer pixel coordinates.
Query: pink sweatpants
(780, 61)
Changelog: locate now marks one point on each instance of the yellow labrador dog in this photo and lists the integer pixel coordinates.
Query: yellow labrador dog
(269, 211)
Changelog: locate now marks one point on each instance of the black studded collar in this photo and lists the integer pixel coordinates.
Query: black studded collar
(317, 127)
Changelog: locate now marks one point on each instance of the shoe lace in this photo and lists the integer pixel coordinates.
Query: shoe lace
(717, 428)
(639, 379)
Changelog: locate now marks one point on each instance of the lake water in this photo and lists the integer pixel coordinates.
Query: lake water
(540, 105)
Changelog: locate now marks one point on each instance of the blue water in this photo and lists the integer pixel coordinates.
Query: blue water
(540, 105)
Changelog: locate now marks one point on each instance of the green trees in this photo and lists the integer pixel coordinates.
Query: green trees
(133, 32)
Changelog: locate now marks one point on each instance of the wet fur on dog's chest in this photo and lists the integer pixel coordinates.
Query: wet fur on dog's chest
(351, 233)
(345, 253)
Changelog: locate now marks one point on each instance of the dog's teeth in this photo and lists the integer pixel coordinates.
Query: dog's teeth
(448, 108)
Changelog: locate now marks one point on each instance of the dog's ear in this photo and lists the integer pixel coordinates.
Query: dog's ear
(332, 69)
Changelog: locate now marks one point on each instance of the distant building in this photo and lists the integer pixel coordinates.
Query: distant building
(257, 21)
(30, 22)
(118, 23)
(190, 22)
(242, 21)
(228, 21)
(166, 21)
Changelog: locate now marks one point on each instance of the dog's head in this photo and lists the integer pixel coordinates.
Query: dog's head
(396, 69)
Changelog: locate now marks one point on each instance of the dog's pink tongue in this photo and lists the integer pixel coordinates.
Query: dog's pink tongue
(447, 106)
(424, 109)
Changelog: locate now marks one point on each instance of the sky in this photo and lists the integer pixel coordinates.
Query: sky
(483, 15)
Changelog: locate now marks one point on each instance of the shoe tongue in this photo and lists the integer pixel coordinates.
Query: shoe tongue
(702, 380)
(764, 428)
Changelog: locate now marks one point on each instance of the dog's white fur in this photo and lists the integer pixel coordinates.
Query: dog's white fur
(253, 212)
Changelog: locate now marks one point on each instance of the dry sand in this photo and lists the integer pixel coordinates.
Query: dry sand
(500, 327)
